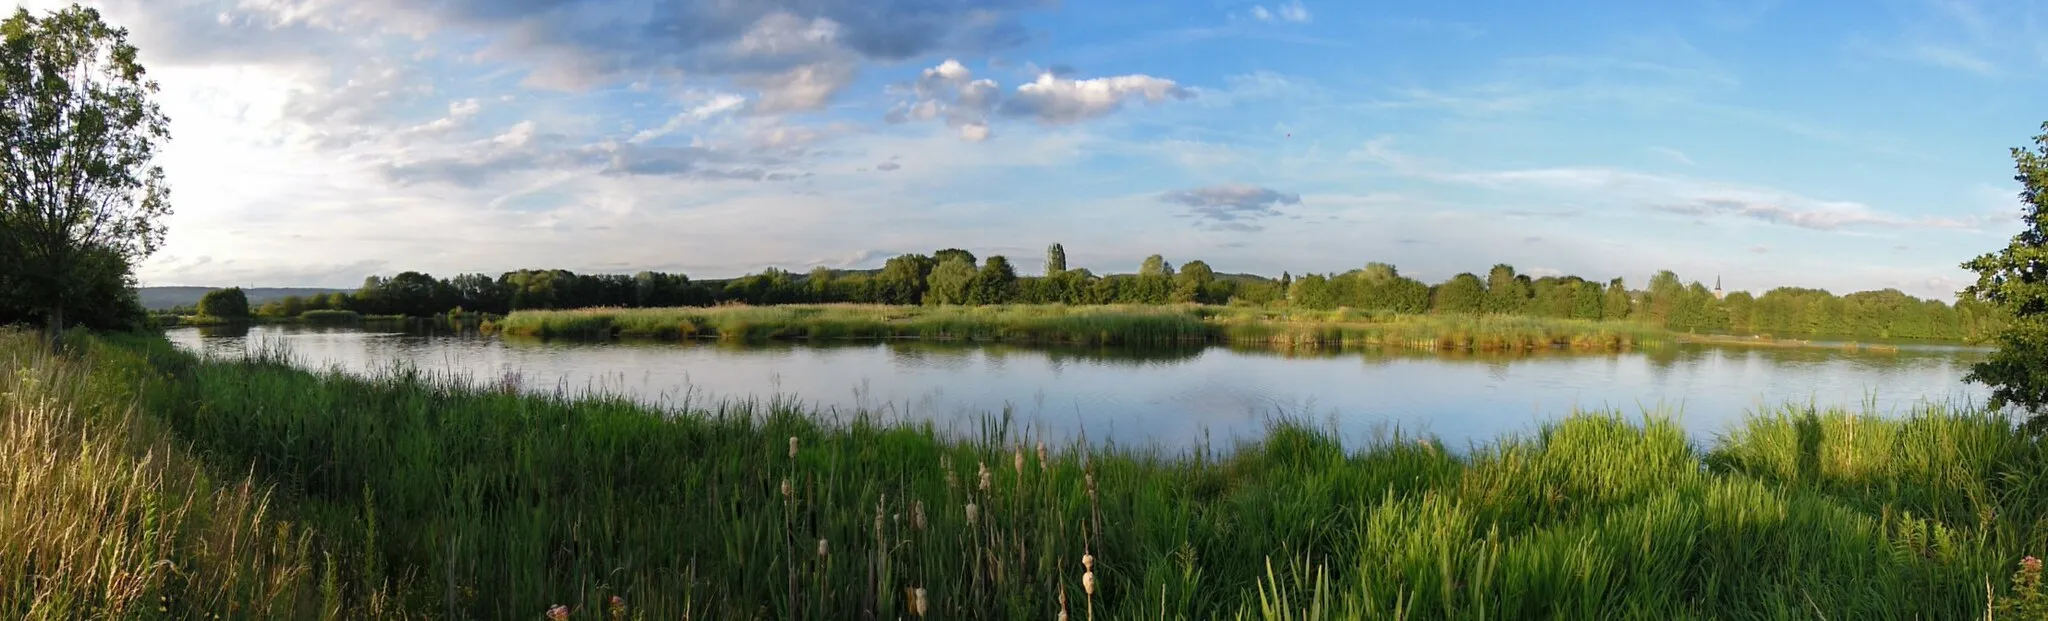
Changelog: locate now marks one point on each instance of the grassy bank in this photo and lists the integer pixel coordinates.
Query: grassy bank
(1091, 325)
(141, 482)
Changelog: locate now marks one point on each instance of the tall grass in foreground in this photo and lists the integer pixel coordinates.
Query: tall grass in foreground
(1092, 325)
(473, 503)
(105, 515)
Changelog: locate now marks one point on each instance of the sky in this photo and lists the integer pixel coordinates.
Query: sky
(1837, 145)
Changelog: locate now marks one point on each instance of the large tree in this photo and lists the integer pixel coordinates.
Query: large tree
(77, 173)
(2014, 280)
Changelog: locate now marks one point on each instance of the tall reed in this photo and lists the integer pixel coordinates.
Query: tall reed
(419, 493)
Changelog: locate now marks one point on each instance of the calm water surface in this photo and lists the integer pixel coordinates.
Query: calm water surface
(1168, 397)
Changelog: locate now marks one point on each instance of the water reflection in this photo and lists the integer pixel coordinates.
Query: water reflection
(1169, 396)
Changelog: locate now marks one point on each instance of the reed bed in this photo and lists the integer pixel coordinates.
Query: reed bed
(1088, 325)
(424, 495)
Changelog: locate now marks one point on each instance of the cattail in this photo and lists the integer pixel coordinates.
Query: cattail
(1042, 461)
(792, 447)
(1088, 583)
(917, 601)
(558, 612)
(824, 549)
(917, 515)
(1088, 562)
(1017, 458)
(971, 512)
(986, 480)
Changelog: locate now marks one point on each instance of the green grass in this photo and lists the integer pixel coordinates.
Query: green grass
(410, 495)
(1091, 325)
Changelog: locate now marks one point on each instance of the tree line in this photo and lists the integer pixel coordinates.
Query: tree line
(957, 277)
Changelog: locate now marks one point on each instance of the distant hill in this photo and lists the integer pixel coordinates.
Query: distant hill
(162, 298)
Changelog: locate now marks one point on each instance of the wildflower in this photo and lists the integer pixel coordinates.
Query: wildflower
(618, 607)
(917, 602)
(985, 479)
(2031, 564)
(558, 613)
(824, 548)
(971, 512)
(792, 447)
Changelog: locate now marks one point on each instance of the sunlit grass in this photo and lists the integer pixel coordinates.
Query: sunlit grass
(417, 494)
(1093, 325)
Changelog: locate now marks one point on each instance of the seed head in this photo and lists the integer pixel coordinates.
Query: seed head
(1017, 458)
(792, 447)
(917, 515)
(1088, 562)
(1088, 583)
(971, 512)
(788, 491)
(824, 548)
(1042, 461)
(1063, 615)
(917, 601)
(985, 479)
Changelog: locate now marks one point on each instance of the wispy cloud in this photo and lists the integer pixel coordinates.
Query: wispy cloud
(1231, 207)
(1670, 194)
(1289, 12)
(1674, 155)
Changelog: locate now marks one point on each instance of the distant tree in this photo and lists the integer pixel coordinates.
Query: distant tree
(1055, 259)
(81, 199)
(1156, 265)
(1463, 293)
(1193, 280)
(950, 281)
(1664, 297)
(1615, 303)
(412, 294)
(229, 303)
(995, 283)
(902, 280)
(1506, 292)
(2014, 281)
(942, 255)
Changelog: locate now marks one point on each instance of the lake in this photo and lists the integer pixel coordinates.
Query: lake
(1167, 397)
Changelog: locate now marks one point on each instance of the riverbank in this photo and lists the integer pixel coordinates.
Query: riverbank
(276, 492)
(1085, 325)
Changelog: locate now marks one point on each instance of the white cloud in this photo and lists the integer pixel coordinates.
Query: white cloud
(950, 91)
(720, 103)
(1289, 12)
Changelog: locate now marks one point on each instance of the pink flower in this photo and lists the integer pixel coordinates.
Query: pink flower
(558, 613)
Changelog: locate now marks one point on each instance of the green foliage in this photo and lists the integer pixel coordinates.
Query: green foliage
(950, 282)
(84, 200)
(410, 495)
(1055, 260)
(2014, 280)
(1463, 293)
(995, 283)
(230, 303)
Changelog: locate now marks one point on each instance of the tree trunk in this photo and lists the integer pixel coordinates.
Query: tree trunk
(55, 327)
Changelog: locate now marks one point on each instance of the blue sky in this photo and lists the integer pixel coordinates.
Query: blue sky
(1839, 145)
